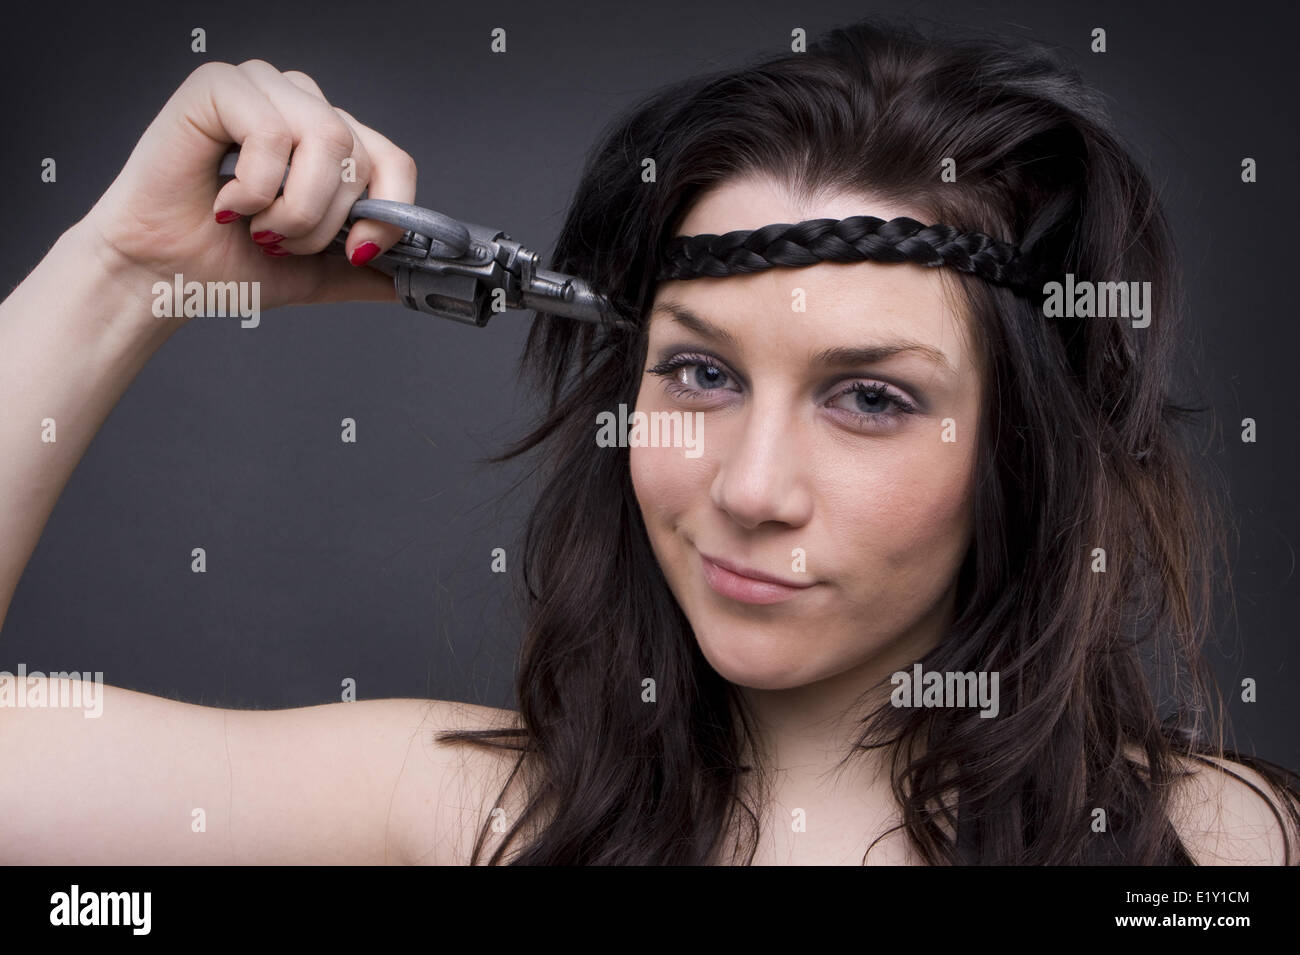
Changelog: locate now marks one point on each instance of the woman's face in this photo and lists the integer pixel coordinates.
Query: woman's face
(849, 477)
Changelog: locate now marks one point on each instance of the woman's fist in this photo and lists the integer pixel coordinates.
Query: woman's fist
(167, 212)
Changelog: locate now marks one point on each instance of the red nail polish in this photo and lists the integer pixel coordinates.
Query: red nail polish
(266, 237)
(364, 253)
(226, 215)
(274, 250)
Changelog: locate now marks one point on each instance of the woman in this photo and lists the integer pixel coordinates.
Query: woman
(902, 472)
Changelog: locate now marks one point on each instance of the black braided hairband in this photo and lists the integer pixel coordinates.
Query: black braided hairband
(855, 239)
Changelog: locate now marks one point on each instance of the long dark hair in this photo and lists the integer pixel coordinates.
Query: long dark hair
(1080, 448)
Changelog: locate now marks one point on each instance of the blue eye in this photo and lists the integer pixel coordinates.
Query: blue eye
(875, 404)
(683, 384)
(875, 400)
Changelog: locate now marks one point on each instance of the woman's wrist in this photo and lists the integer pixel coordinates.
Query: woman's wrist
(91, 270)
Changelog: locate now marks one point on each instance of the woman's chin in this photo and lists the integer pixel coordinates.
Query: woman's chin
(746, 662)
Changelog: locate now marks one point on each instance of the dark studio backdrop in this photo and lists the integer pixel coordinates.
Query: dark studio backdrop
(372, 560)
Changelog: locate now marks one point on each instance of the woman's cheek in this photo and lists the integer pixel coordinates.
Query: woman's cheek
(909, 502)
(667, 483)
(645, 483)
(934, 507)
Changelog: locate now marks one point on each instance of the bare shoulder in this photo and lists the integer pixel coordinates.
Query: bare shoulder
(1222, 820)
(450, 791)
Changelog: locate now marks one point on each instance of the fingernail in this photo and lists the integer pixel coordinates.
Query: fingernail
(226, 215)
(266, 237)
(364, 253)
(274, 250)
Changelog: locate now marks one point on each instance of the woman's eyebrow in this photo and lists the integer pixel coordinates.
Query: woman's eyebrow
(865, 355)
(688, 319)
(870, 354)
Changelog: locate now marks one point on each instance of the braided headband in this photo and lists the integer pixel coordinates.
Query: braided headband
(855, 239)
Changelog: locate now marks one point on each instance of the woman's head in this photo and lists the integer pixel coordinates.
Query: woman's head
(1032, 517)
(847, 474)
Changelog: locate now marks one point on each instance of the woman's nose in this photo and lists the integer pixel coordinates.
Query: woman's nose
(762, 469)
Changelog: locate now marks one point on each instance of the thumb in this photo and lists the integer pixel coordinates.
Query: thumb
(345, 282)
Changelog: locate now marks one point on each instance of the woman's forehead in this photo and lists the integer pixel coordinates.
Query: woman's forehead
(819, 308)
(828, 304)
(816, 310)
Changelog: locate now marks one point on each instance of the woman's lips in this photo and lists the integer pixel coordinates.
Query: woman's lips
(737, 586)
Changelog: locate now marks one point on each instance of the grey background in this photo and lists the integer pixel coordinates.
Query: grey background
(372, 561)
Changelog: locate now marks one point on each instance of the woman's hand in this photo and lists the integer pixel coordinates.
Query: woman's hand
(160, 215)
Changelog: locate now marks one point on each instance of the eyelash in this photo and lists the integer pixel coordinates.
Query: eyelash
(667, 367)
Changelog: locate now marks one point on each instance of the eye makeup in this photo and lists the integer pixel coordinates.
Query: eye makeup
(876, 405)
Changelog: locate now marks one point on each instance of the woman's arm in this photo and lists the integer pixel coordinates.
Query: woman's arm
(70, 343)
(78, 329)
(156, 781)
(150, 779)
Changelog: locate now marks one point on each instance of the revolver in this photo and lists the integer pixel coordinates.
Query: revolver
(465, 272)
